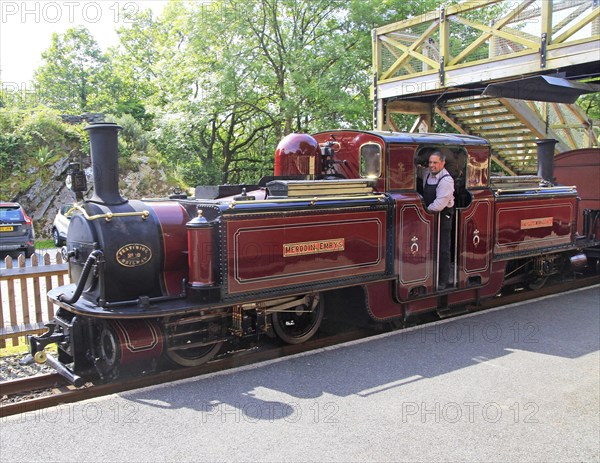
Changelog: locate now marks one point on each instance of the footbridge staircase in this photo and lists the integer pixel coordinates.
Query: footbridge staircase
(509, 71)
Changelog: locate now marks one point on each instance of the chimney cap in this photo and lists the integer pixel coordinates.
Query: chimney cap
(102, 125)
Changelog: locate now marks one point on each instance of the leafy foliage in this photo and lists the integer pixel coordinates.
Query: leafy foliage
(590, 103)
(72, 72)
(33, 138)
(226, 81)
(208, 89)
(11, 158)
(132, 138)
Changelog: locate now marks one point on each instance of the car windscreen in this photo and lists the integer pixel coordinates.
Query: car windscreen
(11, 214)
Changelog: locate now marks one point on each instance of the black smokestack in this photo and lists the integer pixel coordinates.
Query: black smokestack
(105, 163)
(545, 154)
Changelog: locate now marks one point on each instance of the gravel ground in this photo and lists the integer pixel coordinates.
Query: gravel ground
(10, 368)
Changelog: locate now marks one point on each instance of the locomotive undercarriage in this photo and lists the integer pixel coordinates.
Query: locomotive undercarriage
(104, 349)
(533, 272)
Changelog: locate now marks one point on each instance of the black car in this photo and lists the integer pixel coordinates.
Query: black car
(16, 229)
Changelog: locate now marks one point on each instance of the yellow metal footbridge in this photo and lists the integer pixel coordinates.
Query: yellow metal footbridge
(509, 71)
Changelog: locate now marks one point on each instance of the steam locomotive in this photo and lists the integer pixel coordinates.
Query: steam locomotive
(175, 279)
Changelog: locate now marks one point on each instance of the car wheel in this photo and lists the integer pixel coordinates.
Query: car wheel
(58, 242)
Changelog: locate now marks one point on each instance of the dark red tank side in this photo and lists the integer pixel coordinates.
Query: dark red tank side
(275, 252)
(582, 169)
(172, 219)
(527, 224)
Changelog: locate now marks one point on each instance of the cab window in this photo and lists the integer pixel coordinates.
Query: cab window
(370, 160)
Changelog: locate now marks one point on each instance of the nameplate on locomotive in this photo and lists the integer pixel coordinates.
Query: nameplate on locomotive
(536, 223)
(313, 247)
(133, 255)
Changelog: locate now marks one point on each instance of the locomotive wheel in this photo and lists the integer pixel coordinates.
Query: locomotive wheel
(188, 341)
(537, 283)
(300, 323)
(194, 356)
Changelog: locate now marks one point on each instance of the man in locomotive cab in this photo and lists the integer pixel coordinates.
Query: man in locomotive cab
(438, 194)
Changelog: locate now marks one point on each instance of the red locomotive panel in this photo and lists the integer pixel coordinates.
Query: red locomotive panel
(581, 168)
(476, 239)
(132, 341)
(415, 245)
(401, 173)
(201, 249)
(527, 224)
(273, 252)
(172, 219)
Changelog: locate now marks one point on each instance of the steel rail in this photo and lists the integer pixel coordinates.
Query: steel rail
(31, 383)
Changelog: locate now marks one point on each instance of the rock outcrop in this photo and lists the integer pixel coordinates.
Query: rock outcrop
(48, 192)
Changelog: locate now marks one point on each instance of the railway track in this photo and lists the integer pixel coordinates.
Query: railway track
(42, 391)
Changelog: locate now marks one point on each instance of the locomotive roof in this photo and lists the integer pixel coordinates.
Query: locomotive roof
(420, 138)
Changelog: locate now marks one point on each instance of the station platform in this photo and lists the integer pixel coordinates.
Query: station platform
(519, 383)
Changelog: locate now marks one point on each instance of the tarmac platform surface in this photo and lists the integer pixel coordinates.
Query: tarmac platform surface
(516, 384)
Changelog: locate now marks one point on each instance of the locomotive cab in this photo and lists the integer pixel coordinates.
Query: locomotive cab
(301, 156)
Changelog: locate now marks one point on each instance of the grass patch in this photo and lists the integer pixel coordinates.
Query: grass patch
(21, 348)
(44, 244)
(17, 349)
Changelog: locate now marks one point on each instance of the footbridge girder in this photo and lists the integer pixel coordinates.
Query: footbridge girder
(475, 65)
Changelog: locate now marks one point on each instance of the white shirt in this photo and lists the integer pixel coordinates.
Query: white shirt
(444, 193)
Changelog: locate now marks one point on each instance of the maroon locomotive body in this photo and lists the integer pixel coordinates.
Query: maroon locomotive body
(343, 215)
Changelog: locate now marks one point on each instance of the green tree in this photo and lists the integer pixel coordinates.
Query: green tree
(227, 80)
(591, 105)
(207, 94)
(135, 67)
(71, 75)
